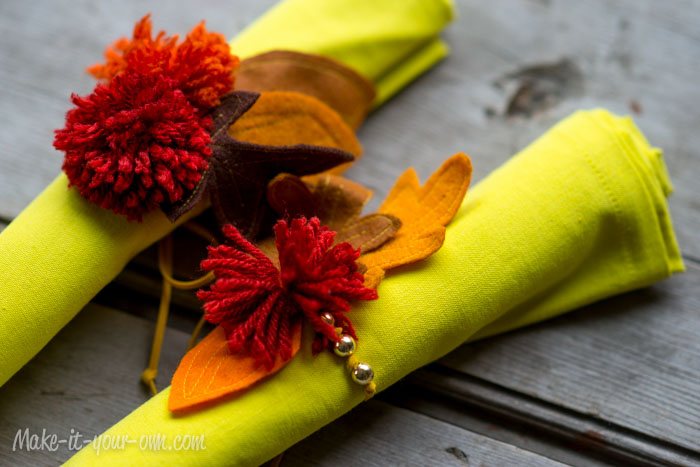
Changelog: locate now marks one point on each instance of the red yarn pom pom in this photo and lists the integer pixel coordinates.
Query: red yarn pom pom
(134, 144)
(256, 304)
(202, 65)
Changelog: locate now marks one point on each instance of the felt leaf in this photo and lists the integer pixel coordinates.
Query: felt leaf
(288, 118)
(289, 196)
(269, 248)
(369, 232)
(237, 104)
(338, 203)
(240, 170)
(424, 212)
(333, 199)
(372, 276)
(330, 81)
(210, 372)
(338, 200)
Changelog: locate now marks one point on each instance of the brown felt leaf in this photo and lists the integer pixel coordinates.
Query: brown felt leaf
(424, 212)
(240, 169)
(342, 88)
(288, 118)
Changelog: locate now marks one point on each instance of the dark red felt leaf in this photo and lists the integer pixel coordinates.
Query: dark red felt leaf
(290, 197)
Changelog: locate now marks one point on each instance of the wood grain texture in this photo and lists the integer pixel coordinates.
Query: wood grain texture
(361, 438)
(635, 57)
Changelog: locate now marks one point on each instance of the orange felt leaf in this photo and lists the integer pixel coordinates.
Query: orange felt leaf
(372, 276)
(209, 371)
(424, 212)
(289, 118)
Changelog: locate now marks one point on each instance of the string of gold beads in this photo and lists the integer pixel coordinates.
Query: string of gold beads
(361, 373)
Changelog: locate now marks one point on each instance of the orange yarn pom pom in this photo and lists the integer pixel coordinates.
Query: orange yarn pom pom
(201, 66)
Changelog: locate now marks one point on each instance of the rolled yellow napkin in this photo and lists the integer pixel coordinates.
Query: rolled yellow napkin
(577, 216)
(54, 258)
(61, 250)
(391, 42)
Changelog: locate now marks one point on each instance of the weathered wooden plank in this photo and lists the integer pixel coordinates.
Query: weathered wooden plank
(429, 391)
(568, 436)
(628, 367)
(362, 438)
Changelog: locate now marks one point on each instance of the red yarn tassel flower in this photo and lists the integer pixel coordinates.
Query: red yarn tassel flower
(256, 304)
(134, 144)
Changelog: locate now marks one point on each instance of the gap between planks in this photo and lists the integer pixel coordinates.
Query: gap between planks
(457, 398)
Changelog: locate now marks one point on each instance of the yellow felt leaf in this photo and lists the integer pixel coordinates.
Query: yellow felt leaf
(289, 118)
(424, 212)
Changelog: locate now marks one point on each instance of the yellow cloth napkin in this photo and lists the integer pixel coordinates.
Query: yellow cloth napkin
(391, 42)
(61, 250)
(54, 258)
(577, 216)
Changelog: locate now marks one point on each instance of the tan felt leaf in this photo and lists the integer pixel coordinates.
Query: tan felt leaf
(338, 200)
(369, 232)
(424, 211)
(333, 199)
(289, 118)
(330, 81)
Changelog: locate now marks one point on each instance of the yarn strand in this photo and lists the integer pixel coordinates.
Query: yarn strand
(165, 266)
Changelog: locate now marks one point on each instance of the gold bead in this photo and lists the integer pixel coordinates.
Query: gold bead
(345, 346)
(328, 319)
(362, 374)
